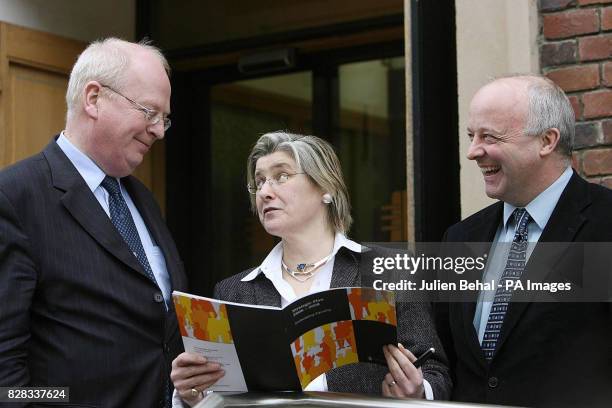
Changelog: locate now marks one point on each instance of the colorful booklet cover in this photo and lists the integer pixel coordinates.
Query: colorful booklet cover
(265, 348)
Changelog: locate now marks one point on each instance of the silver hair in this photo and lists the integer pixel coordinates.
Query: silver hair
(104, 61)
(316, 158)
(548, 107)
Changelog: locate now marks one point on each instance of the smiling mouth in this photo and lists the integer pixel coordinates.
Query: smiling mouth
(489, 170)
(148, 146)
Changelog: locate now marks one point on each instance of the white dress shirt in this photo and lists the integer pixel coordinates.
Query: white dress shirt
(540, 209)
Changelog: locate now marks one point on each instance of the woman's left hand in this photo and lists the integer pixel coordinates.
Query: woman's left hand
(403, 379)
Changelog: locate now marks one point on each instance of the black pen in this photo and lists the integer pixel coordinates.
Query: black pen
(424, 357)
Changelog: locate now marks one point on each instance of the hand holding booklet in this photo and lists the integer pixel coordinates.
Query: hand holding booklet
(264, 348)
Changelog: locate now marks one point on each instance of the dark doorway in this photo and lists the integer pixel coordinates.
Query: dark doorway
(352, 94)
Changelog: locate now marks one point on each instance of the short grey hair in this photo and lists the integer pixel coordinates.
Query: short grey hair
(548, 107)
(104, 61)
(314, 157)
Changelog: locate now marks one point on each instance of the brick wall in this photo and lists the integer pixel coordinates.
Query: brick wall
(576, 52)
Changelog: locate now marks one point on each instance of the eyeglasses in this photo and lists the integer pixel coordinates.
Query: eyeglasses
(151, 116)
(277, 179)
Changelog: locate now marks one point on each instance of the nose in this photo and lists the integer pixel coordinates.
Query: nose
(157, 130)
(475, 150)
(267, 191)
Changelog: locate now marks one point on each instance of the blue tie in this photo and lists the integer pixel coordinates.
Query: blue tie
(512, 272)
(123, 221)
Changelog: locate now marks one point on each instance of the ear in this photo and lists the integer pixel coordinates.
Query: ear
(550, 139)
(91, 94)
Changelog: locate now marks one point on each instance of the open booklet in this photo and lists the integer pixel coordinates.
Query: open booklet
(265, 348)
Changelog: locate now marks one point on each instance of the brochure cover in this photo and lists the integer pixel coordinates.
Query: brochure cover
(272, 349)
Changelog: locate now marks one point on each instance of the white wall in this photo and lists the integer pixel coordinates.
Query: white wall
(494, 37)
(84, 20)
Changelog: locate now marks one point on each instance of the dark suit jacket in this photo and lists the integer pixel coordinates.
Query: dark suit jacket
(415, 324)
(77, 308)
(549, 354)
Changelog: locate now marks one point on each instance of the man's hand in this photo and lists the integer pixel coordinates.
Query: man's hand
(194, 372)
(404, 379)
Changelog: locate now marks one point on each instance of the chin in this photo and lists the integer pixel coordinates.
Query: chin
(495, 191)
(495, 196)
(273, 229)
(270, 229)
(131, 166)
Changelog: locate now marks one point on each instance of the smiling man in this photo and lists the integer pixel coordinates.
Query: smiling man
(87, 265)
(527, 353)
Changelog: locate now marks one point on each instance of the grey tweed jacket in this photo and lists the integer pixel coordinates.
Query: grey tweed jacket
(415, 330)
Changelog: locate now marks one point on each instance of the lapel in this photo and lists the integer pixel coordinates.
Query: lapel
(562, 227)
(483, 226)
(150, 214)
(346, 268)
(567, 217)
(80, 202)
(264, 292)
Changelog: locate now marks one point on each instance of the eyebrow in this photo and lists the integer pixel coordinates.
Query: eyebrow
(484, 129)
(274, 167)
(150, 105)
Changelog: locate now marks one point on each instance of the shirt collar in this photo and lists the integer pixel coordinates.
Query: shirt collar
(86, 167)
(540, 208)
(271, 265)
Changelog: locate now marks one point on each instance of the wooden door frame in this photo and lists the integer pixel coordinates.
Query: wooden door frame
(32, 49)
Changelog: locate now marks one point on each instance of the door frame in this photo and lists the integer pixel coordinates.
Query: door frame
(434, 96)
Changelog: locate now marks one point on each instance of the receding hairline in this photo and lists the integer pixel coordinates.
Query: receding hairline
(520, 96)
(528, 81)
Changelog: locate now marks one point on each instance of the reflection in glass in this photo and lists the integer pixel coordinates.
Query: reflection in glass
(241, 112)
(372, 147)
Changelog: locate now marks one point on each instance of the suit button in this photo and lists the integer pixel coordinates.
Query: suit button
(493, 382)
(158, 297)
(166, 347)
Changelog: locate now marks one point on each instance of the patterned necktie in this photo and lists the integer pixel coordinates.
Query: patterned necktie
(123, 221)
(512, 272)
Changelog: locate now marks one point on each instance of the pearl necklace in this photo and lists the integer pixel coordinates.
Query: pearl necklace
(300, 273)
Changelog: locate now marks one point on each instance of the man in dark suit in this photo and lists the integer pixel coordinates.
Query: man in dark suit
(527, 352)
(87, 264)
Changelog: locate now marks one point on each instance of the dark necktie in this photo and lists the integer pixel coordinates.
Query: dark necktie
(515, 265)
(123, 221)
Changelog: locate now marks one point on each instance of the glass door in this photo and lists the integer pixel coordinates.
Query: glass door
(364, 106)
(241, 112)
(371, 139)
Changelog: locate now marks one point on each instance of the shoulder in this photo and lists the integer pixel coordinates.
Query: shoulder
(22, 181)
(232, 288)
(589, 200)
(17, 173)
(374, 251)
(236, 279)
(487, 215)
(600, 195)
(598, 213)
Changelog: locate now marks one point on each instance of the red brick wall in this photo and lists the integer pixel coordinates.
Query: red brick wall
(576, 52)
